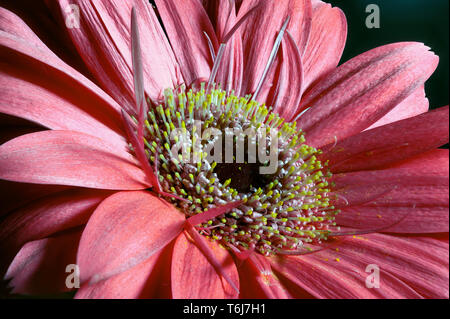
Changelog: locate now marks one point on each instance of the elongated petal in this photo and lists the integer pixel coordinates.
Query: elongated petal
(390, 143)
(131, 284)
(185, 21)
(69, 158)
(70, 95)
(38, 16)
(104, 41)
(408, 268)
(326, 41)
(40, 266)
(51, 102)
(193, 277)
(260, 32)
(363, 90)
(9, 133)
(413, 105)
(44, 217)
(290, 80)
(414, 193)
(259, 281)
(125, 230)
(14, 195)
(230, 72)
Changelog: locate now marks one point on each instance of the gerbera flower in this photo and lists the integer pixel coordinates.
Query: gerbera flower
(359, 180)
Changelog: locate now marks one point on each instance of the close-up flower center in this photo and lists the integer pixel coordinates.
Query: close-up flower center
(214, 148)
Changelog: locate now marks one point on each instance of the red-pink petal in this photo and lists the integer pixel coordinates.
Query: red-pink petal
(193, 277)
(40, 266)
(8, 133)
(389, 143)
(134, 283)
(415, 104)
(409, 268)
(364, 89)
(27, 60)
(411, 196)
(104, 42)
(260, 31)
(51, 102)
(289, 87)
(258, 280)
(326, 41)
(44, 217)
(185, 21)
(230, 71)
(69, 158)
(125, 230)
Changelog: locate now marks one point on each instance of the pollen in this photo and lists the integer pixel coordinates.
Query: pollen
(188, 138)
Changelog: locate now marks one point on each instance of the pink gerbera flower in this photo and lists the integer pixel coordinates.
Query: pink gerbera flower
(359, 180)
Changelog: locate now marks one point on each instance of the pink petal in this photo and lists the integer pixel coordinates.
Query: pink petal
(326, 41)
(364, 89)
(38, 16)
(409, 268)
(125, 230)
(258, 281)
(44, 217)
(193, 277)
(413, 105)
(134, 283)
(260, 31)
(40, 266)
(185, 21)
(69, 158)
(104, 42)
(26, 60)
(8, 133)
(230, 71)
(413, 193)
(51, 102)
(389, 143)
(290, 80)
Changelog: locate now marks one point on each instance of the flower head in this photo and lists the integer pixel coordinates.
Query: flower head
(228, 156)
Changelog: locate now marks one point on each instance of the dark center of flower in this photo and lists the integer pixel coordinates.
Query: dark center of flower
(212, 149)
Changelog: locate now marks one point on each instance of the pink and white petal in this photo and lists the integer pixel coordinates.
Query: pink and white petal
(415, 104)
(289, 88)
(411, 197)
(185, 22)
(40, 266)
(18, 44)
(271, 16)
(125, 230)
(389, 143)
(45, 216)
(364, 89)
(409, 268)
(133, 283)
(193, 277)
(326, 41)
(70, 158)
(104, 42)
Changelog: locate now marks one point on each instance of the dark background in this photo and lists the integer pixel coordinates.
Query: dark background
(424, 21)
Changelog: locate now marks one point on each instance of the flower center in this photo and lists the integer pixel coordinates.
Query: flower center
(214, 148)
